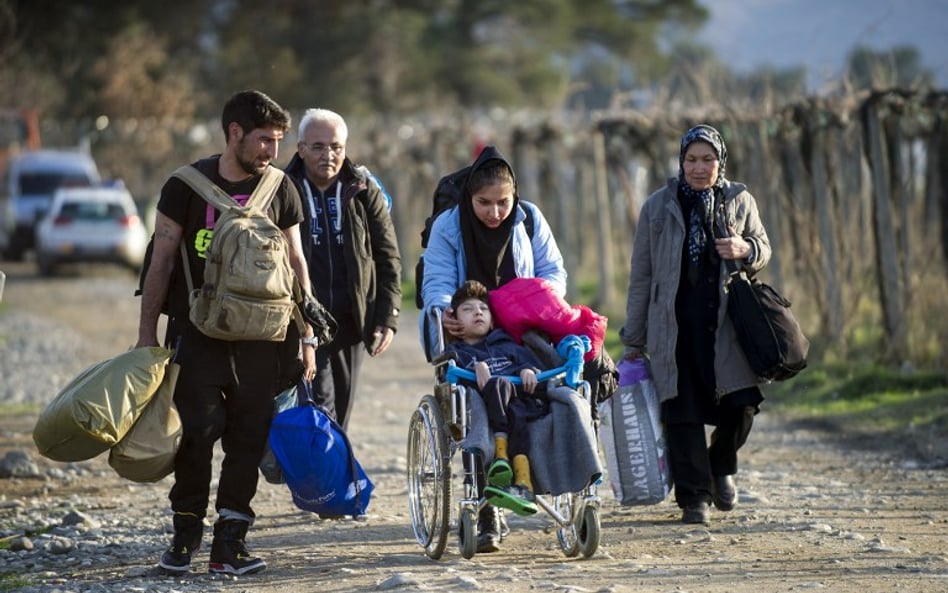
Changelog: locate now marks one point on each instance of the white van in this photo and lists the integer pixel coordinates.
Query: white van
(33, 178)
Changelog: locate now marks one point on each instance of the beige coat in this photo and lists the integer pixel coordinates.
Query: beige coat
(651, 325)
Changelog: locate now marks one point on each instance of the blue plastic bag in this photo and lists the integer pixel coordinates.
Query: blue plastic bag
(318, 464)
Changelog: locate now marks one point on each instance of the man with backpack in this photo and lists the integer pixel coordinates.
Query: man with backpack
(229, 357)
(350, 245)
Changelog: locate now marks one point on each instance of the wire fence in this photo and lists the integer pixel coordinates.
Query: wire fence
(853, 191)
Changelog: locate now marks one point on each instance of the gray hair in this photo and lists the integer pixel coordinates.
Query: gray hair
(314, 115)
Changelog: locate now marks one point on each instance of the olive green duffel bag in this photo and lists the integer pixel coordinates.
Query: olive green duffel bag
(146, 453)
(95, 410)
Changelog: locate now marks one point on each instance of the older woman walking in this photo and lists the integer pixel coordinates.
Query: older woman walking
(676, 314)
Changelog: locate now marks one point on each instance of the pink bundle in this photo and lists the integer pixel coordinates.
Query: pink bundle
(532, 303)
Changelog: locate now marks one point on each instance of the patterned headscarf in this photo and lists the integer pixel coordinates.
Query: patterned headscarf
(703, 200)
(707, 134)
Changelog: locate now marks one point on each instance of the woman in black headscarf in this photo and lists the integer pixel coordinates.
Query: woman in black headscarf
(491, 236)
(676, 314)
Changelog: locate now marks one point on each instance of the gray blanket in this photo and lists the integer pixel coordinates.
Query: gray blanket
(563, 447)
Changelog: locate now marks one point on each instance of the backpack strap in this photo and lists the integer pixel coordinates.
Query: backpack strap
(212, 193)
(529, 224)
(266, 189)
(209, 191)
(187, 267)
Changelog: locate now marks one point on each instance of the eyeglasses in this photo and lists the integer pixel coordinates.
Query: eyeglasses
(319, 148)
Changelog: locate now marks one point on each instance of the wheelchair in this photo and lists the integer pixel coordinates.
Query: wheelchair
(436, 431)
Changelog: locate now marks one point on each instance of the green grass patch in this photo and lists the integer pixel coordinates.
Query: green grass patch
(11, 581)
(866, 397)
(408, 295)
(11, 409)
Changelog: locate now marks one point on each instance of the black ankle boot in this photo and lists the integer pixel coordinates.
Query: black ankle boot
(696, 513)
(229, 552)
(723, 492)
(188, 530)
(488, 530)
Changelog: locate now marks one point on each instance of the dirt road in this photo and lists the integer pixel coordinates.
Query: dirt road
(814, 512)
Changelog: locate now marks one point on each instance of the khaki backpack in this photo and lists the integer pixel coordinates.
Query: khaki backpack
(248, 290)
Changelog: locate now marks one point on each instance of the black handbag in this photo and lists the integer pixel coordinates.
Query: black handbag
(767, 331)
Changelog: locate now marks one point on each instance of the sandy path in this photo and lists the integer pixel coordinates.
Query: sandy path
(813, 513)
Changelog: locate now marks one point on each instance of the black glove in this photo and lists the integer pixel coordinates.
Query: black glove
(324, 325)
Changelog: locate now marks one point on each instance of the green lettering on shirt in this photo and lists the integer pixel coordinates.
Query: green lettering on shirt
(202, 242)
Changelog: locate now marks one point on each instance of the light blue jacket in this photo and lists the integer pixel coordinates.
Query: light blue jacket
(446, 269)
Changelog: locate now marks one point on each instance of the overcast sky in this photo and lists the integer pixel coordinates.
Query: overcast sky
(818, 34)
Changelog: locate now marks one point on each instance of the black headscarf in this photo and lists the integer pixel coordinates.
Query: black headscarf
(487, 253)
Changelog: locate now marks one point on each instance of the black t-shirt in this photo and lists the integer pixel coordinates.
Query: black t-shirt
(197, 218)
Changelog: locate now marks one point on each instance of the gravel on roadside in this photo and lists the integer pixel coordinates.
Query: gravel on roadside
(814, 512)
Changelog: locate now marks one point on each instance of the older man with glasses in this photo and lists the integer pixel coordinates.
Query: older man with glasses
(351, 250)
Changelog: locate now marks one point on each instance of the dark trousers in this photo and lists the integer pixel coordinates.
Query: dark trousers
(693, 462)
(337, 379)
(508, 413)
(496, 394)
(224, 392)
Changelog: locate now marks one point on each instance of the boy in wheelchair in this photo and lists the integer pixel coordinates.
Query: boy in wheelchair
(490, 352)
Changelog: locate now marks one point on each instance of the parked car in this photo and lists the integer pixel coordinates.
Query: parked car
(91, 224)
(32, 179)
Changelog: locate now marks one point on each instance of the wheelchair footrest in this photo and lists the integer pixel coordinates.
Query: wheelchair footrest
(509, 500)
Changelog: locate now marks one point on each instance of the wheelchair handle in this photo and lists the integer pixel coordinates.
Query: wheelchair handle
(572, 369)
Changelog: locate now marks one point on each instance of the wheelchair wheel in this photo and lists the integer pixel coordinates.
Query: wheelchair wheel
(589, 532)
(468, 533)
(429, 477)
(564, 504)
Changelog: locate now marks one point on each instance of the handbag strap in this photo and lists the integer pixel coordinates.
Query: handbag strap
(304, 393)
(720, 232)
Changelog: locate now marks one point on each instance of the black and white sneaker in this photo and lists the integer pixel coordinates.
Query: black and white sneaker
(488, 530)
(229, 554)
(177, 558)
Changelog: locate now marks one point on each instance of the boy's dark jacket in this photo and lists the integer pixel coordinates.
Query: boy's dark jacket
(371, 249)
(499, 350)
